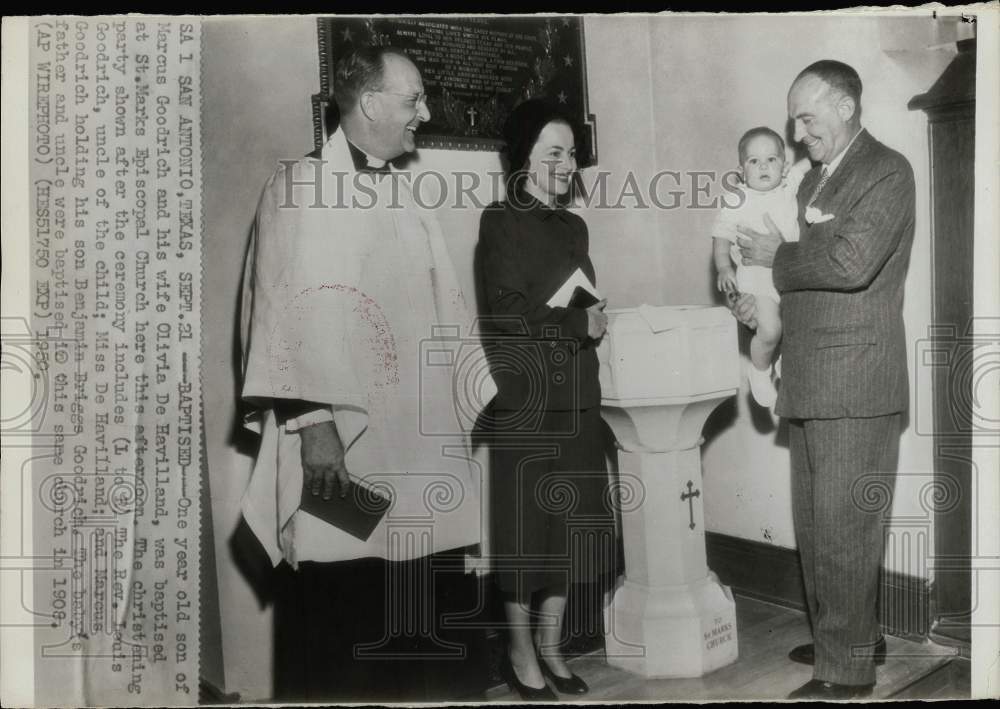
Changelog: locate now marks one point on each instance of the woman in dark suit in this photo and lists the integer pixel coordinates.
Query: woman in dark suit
(552, 523)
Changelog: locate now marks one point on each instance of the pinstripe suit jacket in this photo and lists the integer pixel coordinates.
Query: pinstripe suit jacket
(841, 285)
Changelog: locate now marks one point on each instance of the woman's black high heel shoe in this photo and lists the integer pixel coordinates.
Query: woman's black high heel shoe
(528, 694)
(573, 684)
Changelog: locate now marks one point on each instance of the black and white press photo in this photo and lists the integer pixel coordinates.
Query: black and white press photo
(446, 359)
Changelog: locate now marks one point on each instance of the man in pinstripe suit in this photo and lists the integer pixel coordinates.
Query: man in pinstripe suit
(844, 383)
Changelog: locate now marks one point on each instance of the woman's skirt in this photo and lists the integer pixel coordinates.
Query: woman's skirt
(552, 521)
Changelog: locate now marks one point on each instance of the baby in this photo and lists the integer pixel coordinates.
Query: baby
(768, 189)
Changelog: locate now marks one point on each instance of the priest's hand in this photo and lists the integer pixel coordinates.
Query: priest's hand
(323, 460)
(597, 321)
(758, 248)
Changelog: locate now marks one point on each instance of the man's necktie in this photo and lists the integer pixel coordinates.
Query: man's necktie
(823, 177)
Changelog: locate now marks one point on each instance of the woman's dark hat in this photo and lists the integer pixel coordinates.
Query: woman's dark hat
(525, 123)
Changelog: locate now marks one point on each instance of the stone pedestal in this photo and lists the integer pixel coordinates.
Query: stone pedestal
(663, 371)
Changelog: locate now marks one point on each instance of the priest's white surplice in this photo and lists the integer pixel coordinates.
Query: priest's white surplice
(350, 299)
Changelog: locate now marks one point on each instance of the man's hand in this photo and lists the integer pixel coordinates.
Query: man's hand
(744, 309)
(597, 321)
(323, 459)
(758, 248)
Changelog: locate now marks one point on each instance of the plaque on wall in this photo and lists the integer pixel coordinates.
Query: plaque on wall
(475, 71)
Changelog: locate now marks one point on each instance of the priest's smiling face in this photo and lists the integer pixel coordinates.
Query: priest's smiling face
(551, 163)
(402, 108)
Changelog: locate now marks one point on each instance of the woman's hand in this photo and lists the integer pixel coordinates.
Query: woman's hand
(597, 321)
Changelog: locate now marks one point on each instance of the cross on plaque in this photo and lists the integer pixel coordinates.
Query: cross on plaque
(472, 116)
(689, 496)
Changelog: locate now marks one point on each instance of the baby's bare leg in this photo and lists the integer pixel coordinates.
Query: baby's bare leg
(768, 334)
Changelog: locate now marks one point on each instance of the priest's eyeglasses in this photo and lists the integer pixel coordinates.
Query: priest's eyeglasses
(417, 99)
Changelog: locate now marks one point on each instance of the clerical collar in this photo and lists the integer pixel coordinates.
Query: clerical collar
(363, 161)
(840, 156)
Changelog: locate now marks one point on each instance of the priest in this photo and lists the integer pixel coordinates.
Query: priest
(346, 281)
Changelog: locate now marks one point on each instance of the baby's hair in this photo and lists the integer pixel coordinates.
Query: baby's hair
(755, 133)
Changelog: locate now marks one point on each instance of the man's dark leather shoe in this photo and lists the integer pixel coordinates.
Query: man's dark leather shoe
(806, 654)
(818, 689)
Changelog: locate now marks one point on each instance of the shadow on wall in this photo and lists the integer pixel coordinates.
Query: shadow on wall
(247, 553)
(726, 414)
(239, 438)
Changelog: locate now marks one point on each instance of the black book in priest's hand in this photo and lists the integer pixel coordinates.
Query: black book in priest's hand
(357, 513)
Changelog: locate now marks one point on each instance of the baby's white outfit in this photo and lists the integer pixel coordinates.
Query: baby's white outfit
(781, 204)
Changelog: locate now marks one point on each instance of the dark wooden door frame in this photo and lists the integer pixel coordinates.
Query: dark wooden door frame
(951, 348)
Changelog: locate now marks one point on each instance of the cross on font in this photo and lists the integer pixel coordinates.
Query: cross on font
(689, 496)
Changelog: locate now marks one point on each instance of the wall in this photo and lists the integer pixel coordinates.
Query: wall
(658, 106)
(243, 137)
